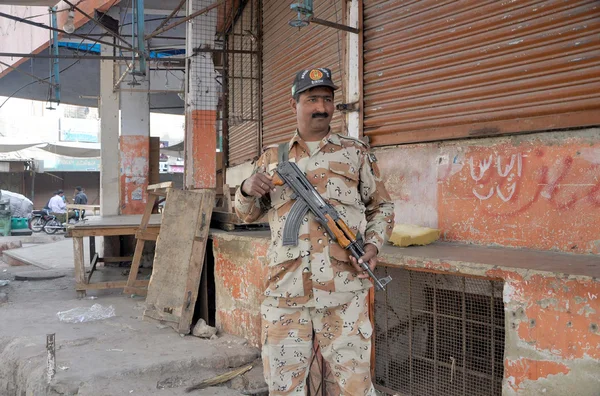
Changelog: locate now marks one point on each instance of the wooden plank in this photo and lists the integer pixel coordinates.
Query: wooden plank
(92, 208)
(154, 160)
(108, 285)
(158, 186)
(162, 316)
(115, 259)
(122, 221)
(104, 231)
(135, 264)
(146, 235)
(179, 256)
(79, 263)
(93, 264)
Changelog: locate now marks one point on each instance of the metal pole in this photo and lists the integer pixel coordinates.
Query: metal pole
(171, 15)
(51, 356)
(80, 57)
(55, 61)
(141, 45)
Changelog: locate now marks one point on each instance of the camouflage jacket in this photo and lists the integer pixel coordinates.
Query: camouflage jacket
(317, 271)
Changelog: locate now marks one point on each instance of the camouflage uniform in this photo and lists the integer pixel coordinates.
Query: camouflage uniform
(313, 285)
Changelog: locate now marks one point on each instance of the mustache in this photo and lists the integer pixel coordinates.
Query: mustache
(320, 115)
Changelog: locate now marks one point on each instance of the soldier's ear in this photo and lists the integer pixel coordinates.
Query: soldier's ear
(293, 105)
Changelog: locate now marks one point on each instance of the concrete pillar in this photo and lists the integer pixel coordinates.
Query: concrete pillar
(354, 64)
(134, 145)
(201, 99)
(109, 138)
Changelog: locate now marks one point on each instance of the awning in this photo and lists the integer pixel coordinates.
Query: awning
(73, 151)
(9, 148)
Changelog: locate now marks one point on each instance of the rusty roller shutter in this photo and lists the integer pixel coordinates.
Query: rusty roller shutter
(243, 86)
(444, 69)
(287, 50)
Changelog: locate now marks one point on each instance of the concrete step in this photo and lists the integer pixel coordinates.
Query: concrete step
(55, 255)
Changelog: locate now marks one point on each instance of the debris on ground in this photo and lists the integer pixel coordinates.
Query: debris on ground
(203, 330)
(219, 379)
(82, 314)
(4, 282)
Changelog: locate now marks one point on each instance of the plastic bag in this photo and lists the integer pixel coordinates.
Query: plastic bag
(4, 282)
(20, 205)
(83, 314)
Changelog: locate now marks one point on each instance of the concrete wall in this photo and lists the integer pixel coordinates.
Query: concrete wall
(240, 279)
(539, 191)
(552, 340)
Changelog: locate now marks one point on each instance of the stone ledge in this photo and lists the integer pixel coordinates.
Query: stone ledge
(469, 259)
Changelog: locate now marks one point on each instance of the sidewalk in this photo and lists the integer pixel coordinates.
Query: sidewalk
(121, 355)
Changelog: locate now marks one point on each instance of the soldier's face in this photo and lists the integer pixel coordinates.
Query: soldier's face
(314, 110)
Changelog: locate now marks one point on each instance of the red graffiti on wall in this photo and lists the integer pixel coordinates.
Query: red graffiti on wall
(505, 194)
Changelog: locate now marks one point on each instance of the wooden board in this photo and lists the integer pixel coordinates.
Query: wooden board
(154, 158)
(179, 258)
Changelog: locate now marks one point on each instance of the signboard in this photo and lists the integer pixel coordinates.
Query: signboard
(60, 164)
(79, 130)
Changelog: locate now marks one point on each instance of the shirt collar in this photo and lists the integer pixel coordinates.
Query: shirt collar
(331, 138)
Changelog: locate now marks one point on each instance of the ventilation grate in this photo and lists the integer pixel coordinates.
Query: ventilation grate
(438, 334)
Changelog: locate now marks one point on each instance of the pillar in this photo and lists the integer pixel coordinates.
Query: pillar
(354, 71)
(109, 138)
(201, 99)
(134, 145)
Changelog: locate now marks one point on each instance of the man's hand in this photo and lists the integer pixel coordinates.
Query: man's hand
(370, 257)
(258, 185)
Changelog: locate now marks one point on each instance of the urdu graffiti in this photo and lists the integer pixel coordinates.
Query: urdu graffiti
(484, 166)
(527, 195)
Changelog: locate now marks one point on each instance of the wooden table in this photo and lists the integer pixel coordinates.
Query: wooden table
(105, 226)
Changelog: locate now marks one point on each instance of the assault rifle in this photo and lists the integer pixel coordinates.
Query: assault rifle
(307, 198)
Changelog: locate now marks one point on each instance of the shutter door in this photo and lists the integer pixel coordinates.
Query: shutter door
(287, 50)
(243, 113)
(444, 69)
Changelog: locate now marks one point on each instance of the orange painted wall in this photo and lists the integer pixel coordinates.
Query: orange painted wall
(538, 191)
(201, 158)
(135, 154)
(240, 279)
(530, 195)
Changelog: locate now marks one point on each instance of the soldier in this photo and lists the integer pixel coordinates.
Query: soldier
(315, 287)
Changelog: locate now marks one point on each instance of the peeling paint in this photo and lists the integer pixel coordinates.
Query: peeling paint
(240, 280)
(526, 369)
(135, 152)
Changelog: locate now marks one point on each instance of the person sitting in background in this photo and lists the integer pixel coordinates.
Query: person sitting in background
(58, 207)
(80, 199)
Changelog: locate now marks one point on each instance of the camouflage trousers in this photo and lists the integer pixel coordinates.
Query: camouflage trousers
(343, 334)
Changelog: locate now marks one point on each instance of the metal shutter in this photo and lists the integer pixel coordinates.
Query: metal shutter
(243, 86)
(447, 69)
(287, 50)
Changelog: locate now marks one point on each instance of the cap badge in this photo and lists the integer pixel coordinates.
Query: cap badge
(315, 74)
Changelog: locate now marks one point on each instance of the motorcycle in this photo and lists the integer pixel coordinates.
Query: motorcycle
(53, 225)
(38, 219)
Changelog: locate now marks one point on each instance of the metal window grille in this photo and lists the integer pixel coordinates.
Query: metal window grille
(438, 334)
(242, 83)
